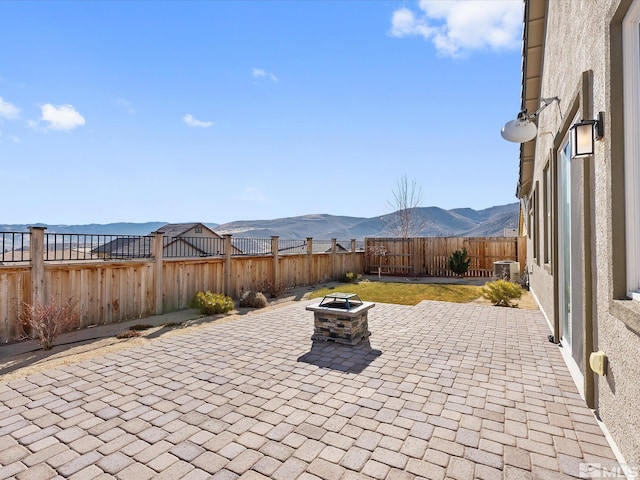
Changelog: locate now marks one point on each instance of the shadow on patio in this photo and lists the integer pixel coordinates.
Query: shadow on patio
(343, 358)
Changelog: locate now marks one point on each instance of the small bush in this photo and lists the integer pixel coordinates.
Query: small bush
(459, 262)
(128, 334)
(47, 321)
(140, 327)
(350, 277)
(273, 289)
(253, 300)
(501, 293)
(212, 303)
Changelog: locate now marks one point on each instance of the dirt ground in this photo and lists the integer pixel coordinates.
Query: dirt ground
(36, 360)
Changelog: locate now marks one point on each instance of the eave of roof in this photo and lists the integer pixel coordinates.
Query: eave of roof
(535, 16)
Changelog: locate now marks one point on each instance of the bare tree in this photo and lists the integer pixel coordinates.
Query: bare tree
(405, 220)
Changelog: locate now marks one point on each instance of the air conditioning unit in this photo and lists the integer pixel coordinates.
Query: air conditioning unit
(507, 270)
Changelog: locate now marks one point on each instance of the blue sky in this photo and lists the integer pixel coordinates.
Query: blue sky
(216, 111)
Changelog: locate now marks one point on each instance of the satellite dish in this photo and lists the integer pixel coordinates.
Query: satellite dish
(520, 130)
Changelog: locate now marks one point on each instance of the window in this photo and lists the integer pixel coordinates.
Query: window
(530, 220)
(548, 234)
(631, 65)
(530, 217)
(198, 229)
(564, 253)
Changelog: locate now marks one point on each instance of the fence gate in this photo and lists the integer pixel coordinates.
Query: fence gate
(390, 256)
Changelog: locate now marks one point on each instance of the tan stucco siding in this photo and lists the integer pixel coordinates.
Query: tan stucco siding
(579, 39)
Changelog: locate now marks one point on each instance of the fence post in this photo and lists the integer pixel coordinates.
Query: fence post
(415, 255)
(353, 245)
(334, 246)
(310, 279)
(227, 264)
(274, 252)
(158, 256)
(366, 264)
(36, 253)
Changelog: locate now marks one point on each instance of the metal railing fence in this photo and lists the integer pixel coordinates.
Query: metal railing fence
(180, 247)
(251, 246)
(292, 246)
(78, 246)
(346, 244)
(14, 246)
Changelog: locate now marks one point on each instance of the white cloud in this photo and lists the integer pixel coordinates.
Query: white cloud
(260, 73)
(194, 122)
(405, 23)
(63, 117)
(121, 102)
(8, 110)
(457, 27)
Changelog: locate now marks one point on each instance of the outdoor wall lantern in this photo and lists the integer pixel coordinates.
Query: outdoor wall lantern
(522, 129)
(584, 134)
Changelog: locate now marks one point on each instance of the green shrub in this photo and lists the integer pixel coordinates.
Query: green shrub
(212, 303)
(459, 262)
(350, 277)
(253, 300)
(501, 293)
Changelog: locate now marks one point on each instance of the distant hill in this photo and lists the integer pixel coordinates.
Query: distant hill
(120, 228)
(92, 228)
(460, 222)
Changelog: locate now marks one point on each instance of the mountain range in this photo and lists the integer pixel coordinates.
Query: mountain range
(437, 222)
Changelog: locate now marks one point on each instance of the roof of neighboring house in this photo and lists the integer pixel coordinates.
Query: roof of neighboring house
(126, 247)
(173, 234)
(179, 229)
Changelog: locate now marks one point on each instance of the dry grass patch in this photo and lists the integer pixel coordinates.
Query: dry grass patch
(404, 293)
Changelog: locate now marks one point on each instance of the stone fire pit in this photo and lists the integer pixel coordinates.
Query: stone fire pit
(341, 318)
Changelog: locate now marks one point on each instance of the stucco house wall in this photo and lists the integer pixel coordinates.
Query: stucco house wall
(581, 65)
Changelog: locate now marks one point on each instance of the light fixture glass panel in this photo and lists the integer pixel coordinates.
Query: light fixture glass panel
(582, 137)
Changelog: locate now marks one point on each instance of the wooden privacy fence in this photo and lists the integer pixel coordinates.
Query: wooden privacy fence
(430, 255)
(110, 291)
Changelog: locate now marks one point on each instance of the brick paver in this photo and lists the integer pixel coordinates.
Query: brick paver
(440, 390)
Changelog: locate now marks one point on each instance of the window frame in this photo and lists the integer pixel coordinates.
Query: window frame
(631, 94)
(547, 188)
